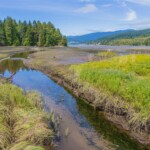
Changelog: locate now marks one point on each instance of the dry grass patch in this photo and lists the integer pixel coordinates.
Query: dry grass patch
(24, 125)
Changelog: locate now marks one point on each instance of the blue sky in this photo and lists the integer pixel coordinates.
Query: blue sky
(75, 17)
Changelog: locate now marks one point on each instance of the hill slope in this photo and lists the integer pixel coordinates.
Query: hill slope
(134, 37)
(93, 36)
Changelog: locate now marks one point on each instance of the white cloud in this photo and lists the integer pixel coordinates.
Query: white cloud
(87, 9)
(138, 23)
(131, 15)
(142, 2)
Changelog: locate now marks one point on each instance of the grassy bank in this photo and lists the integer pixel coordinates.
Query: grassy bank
(118, 86)
(23, 123)
(126, 78)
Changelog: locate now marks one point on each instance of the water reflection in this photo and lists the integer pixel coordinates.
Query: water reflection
(9, 67)
(107, 129)
(22, 55)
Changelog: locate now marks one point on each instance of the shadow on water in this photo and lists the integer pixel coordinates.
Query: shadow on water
(108, 130)
(83, 113)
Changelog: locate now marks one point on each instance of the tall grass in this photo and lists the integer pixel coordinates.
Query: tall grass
(127, 77)
(138, 64)
(23, 123)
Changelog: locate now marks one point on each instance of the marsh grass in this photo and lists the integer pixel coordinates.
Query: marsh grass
(23, 122)
(127, 77)
(107, 54)
(3, 56)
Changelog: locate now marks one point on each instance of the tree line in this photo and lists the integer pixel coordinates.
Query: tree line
(23, 33)
(133, 37)
(139, 41)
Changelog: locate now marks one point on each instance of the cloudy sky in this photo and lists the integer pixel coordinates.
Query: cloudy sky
(75, 17)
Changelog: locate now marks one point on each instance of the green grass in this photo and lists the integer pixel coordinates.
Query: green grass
(127, 77)
(23, 122)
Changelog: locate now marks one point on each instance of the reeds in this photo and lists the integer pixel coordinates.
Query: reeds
(107, 54)
(23, 122)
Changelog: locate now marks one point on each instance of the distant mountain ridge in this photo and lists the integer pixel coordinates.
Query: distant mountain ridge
(134, 37)
(94, 36)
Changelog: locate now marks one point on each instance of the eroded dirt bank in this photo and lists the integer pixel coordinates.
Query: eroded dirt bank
(56, 66)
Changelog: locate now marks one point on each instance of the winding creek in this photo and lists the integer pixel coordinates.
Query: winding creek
(88, 129)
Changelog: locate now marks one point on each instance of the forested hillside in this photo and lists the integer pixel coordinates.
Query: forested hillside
(93, 36)
(135, 37)
(13, 33)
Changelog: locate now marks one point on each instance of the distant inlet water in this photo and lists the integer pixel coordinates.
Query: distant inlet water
(114, 48)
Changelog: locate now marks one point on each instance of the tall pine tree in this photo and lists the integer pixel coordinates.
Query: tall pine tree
(8, 24)
(2, 34)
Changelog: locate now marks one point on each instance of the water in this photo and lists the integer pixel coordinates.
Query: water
(89, 130)
(22, 55)
(113, 48)
(120, 50)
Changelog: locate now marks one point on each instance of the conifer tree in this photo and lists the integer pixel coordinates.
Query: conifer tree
(30, 34)
(2, 34)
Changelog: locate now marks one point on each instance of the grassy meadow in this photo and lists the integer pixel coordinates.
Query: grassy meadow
(126, 77)
(23, 122)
